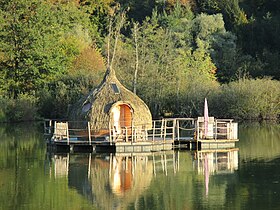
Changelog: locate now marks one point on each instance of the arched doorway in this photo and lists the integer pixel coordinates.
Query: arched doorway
(121, 119)
(125, 115)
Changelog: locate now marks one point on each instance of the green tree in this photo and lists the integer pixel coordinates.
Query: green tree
(168, 61)
(233, 14)
(138, 10)
(39, 42)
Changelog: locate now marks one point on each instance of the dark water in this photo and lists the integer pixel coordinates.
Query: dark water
(247, 177)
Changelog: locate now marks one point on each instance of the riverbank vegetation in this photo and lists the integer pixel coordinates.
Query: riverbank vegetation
(173, 54)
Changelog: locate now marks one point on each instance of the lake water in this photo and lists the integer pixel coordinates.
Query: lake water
(247, 177)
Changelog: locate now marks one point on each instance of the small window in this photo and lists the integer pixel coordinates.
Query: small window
(115, 88)
(86, 107)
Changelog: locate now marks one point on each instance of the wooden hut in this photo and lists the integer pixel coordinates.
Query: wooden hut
(112, 106)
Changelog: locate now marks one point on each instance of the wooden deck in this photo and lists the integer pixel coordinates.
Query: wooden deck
(192, 144)
(135, 147)
(166, 134)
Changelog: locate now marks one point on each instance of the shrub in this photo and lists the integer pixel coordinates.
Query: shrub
(3, 108)
(23, 108)
(249, 99)
(57, 96)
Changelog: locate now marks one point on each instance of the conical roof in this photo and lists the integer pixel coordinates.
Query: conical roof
(98, 103)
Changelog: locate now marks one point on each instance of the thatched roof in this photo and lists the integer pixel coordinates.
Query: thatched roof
(97, 105)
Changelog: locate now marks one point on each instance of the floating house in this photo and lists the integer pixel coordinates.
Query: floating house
(112, 118)
(112, 107)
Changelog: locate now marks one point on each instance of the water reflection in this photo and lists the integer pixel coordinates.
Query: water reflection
(259, 141)
(216, 161)
(175, 180)
(125, 174)
(213, 162)
(60, 165)
(115, 181)
(112, 180)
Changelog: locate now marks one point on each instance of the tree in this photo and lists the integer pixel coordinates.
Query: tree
(211, 34)
(39, 42)
(168, 60)
(233, 14)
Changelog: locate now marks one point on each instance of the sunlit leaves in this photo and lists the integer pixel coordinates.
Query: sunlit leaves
(40, 41)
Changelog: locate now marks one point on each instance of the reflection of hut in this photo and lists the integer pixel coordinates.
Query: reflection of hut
(120, 180)
(111, 103)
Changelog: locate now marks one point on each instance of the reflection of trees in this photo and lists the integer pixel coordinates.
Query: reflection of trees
(259, 141)
(21, 148)
(23, 168)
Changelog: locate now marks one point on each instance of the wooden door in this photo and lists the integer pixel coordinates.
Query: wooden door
(125, 116)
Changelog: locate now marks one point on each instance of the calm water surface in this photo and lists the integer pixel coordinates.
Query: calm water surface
(247, 177)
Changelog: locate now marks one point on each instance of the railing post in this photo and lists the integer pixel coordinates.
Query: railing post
(126, 135)
(67, 134)
(230, 129)
(162, 127)
(216, 129)
(197, 136)
(54, 131)
(110, 133)
(154, 127)
(178, 129)
(89, 133)
(173, 129)
(146, 134)
(48, 128)
(197, 130)
(132, 136)
(164, 134)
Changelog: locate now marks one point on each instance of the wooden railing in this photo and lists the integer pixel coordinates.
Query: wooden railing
(163, 129)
